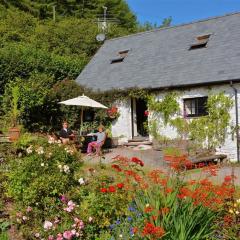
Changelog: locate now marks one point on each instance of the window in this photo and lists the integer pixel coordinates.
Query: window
(123, 53)
(195, 107)
(201, 42)
(117, 60)
(121, 56)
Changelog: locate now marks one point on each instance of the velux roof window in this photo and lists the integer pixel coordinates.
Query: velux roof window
(201, 42)
(121, 55)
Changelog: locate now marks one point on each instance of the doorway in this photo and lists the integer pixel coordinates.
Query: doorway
(139, 118)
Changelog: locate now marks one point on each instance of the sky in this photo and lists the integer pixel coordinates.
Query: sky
(181, 11)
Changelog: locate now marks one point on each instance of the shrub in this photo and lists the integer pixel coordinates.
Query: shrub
(41, 174)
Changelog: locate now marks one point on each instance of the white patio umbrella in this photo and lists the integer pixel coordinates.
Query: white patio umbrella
(83, 101)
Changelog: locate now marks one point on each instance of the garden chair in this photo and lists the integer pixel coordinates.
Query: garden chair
(99, 147)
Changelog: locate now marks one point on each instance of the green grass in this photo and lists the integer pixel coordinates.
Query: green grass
(4, 236)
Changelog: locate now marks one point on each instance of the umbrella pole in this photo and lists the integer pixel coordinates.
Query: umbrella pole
(81, 124)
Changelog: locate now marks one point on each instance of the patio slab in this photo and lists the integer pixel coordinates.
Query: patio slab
(154, 159)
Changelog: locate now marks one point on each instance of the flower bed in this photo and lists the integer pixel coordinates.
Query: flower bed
(55, 196)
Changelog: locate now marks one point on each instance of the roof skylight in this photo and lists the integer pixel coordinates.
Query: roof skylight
(201, 42)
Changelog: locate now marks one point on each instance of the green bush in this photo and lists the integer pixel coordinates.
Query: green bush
(43, 173)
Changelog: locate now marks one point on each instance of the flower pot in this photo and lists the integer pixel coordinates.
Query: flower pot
(115, 141)
(14, 134)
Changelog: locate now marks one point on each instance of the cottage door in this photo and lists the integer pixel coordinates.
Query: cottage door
(139, 118)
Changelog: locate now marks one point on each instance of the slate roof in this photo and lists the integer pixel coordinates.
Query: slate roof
(161, 58)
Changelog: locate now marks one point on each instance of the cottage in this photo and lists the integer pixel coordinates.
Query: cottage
(191, 58)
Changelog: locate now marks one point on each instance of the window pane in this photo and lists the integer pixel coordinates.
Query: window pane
(195, 107)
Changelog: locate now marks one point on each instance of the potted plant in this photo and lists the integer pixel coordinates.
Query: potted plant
(14, 130)
(113, 112)
(173, 153)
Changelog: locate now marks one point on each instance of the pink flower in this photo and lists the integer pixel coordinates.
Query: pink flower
(51, 238)
(68, 235)
(71, 206)
(29, 209)
(73, 232)
(63, 199)
(47, 225)
(59, 236)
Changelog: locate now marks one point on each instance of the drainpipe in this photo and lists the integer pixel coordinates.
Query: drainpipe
(236, 110)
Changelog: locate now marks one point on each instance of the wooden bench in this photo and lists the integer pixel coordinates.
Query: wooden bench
(209, 159)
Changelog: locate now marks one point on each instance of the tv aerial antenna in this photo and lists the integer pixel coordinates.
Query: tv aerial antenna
(104, 24)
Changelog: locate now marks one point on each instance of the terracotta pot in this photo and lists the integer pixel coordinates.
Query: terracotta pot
(14, 134)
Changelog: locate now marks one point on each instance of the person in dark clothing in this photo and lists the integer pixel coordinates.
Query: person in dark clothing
(66, 134)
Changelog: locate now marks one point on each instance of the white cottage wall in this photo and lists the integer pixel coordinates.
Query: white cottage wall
(230, 146)
(123, 126)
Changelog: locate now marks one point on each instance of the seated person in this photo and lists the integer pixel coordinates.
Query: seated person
(66, 133)
(101, 136)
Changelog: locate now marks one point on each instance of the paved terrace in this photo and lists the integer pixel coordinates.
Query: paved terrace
(154, 159)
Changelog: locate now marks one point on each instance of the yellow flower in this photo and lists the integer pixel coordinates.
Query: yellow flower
(230, 210)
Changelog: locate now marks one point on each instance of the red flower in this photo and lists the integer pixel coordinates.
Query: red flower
(138, 161)
(151, 230)
(116, 167)
(120, 185)
(148, 209)
(229, 178)
(146, 113)
(103, 190)
(112, 189)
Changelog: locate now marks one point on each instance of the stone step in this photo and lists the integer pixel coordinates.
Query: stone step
(138, 143)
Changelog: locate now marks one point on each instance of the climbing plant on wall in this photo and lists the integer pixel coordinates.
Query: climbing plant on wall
(212, 129)
(166, 108)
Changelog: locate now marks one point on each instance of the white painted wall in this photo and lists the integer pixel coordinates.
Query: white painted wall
(230, 146)
(123, 125)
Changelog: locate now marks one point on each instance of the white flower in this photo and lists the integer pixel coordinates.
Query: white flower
(47, 225)
(238, 201)
(66, 169)
(90, 219)
(40, 150)
(120, 235)
(24, 218)
(81, 181)
(37, 235)
(51, 140)
(237, 212)
(29, 149)
(42, 164)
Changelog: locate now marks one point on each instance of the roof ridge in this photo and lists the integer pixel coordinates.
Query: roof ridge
(176, 26)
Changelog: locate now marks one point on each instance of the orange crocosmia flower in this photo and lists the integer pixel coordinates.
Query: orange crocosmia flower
(229, 178)
(148, 209)
(168, 190)
(164, 210)
(152, 231)
(154, 218)
(211, 169)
